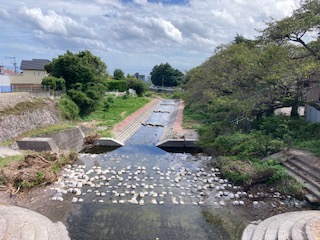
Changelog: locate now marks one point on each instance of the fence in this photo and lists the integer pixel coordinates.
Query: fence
(37, 91)
(5, 89)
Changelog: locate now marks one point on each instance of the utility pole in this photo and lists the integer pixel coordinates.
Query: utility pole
(14, 63)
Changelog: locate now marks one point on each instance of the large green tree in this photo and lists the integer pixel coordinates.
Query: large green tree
(245, 80)
(165, 75)
(84, 76)
(296, 28)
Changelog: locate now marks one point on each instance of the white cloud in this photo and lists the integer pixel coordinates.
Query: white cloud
(124, 33)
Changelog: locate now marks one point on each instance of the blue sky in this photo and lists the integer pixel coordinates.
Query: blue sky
(133, 35)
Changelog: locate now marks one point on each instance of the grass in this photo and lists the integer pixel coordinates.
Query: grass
(23, 107)
(5, 161)
(119, 109)
(40, 132)
(192, 120)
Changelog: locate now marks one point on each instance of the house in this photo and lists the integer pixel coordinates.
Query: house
(5, 85)
(33, 72)
(312, 108)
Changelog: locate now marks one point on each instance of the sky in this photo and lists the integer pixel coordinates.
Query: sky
(133, 35)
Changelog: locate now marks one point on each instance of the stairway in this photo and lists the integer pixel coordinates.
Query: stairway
(307, 173)
(301, 225)
(22, 224)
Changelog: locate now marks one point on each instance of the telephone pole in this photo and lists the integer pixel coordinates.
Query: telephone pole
(14, 63)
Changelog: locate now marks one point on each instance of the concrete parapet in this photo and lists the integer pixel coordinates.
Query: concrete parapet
(108, 142)
(178, 143)
(37, 144)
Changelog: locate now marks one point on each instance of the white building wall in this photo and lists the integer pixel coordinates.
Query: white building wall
(312, 114)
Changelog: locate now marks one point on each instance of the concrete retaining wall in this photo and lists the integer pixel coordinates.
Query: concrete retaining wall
(12, 126)
(71, 139)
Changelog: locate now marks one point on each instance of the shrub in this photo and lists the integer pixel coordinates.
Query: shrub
(67, 108)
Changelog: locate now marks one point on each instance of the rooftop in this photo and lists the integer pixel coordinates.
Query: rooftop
(34, 64)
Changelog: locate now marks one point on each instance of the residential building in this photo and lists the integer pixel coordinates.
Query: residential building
(33, 72)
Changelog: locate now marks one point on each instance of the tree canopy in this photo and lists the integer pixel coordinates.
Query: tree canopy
(84, 75)
(295, 28)
(165, 75)
(118, 74)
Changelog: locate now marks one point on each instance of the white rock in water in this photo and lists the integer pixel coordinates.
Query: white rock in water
(221, 181)
(101, 201)
(80, 200)
(174, 200)
(161, 202)
(141, 202)
(122, 194)
(154, 201)
(255, 203)
(54, 198)
(114, 201)
(121, 201)
(60, 199)
(141, 194)
(222, 203)
(235, 203)
(98, 194)
(103, 194)
(241, 203)
(231, 196)
(217, 188)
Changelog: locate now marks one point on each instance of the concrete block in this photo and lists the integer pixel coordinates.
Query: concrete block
(108, 142)
(178, 143)
(37, 144)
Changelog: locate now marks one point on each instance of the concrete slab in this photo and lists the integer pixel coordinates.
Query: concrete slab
(6, 152)
(38, 144)
(108, 142)
(178, 143)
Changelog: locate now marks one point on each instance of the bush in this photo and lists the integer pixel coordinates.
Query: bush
(117, 85)
(67, 108)
(137, 85)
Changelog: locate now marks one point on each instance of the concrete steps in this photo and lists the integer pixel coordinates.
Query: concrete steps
(134, 125)
(307, 174)
(22, 224)
(301, 225)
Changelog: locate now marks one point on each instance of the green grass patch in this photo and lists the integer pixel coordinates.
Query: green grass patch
(48, 129)
(119, 109)
(6, 160)
(312, 146)
(192, 120)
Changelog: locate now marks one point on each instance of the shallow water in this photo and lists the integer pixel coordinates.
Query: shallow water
(148, 193)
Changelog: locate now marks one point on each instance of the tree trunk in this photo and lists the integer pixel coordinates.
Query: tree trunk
(295, 107)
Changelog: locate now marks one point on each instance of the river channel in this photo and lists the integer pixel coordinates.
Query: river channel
(140, 191)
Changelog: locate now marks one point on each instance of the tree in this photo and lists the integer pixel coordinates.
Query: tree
(118, 74)
(137, 85)
(296, 27)
(55, 84)
(84, 76)
(165, 75)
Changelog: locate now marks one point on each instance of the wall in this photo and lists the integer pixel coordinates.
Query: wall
(312, 114)
(28, 77)
(71, 139)
(14, 125)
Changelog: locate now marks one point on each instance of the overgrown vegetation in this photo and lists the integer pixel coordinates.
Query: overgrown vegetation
(237, 90)
(21, 107)
(34, 169)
